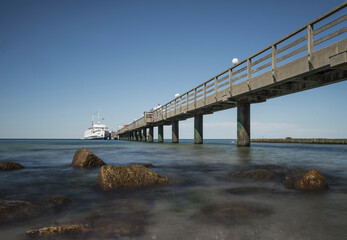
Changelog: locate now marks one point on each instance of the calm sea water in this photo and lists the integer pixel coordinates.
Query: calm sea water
(178, 211)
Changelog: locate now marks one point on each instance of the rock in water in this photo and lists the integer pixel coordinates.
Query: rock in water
(49, 232)
(131, 176)
(10, 165)
(254, 174)
(84, 158)
(306, 180)
(56, 201)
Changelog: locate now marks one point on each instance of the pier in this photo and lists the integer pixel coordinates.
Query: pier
(312, 56)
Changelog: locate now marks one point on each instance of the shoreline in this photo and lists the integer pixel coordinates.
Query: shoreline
(301, 140)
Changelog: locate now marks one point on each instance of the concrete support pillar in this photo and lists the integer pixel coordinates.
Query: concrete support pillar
(150, 134)
(175, 137)
(160, 133)
(243, 124)
(144, 134)
(198, 126)
(139, 135)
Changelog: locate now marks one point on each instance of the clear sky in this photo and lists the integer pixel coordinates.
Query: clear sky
(62, 60)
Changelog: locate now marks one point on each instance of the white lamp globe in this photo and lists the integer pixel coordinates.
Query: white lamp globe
(177, 95)
(235, 61)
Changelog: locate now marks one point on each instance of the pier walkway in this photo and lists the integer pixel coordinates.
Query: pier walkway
(312, 56)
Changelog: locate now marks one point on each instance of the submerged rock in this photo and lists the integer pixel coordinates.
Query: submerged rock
(18, 210)
(56, 201)
(111, 227)
(49, 232)
(10, 165)
(148, 165)
(254, 174)
(254, 190)
(306, 180)
(84, 158)
(131, 176)
(232, 213)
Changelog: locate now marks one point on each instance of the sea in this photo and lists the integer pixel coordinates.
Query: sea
(202, 201)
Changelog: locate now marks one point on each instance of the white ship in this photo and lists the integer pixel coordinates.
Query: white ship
(97, 130)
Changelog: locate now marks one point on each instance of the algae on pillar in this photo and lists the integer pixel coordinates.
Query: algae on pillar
(144, 134)
(198, 127)
(160, 133)
(243, 124)
(150, 134)
(175, 137)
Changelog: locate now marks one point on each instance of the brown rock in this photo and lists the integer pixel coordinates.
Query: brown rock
(131, 176)
(10, 165)
(254, 174)
(48, 232)
(84, 158)
(306, 180)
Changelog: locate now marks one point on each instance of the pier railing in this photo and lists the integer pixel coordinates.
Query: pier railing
(302, 42)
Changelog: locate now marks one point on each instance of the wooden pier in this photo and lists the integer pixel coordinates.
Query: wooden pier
(312, 56)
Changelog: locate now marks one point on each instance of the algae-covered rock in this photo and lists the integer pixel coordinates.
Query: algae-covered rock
(5, 165)
(131, 176)
(84, 158)
(254, 174)
(49, 232)
(306, 180)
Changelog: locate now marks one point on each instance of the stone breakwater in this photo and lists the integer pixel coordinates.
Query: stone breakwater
(301, 140)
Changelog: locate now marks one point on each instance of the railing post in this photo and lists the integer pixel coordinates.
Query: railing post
(180, 104)
(166, 111)
(310, 44)
(310, 39)
(194, 97)
(170, 108)
(215, 87)
(274, 62)
(175, 105)
(204, 86)
(187, 101)
(230, 79)
(249, 69)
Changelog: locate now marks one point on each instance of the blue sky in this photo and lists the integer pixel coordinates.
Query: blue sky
(60, 61)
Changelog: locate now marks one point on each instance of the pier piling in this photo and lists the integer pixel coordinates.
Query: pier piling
(198, 134)
(243, 124)
(175, 137)
(150, 134)
(160, 133)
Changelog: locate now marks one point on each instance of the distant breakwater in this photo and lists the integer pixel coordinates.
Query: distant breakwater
(301, 140)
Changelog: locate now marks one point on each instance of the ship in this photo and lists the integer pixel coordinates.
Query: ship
(97, 130)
